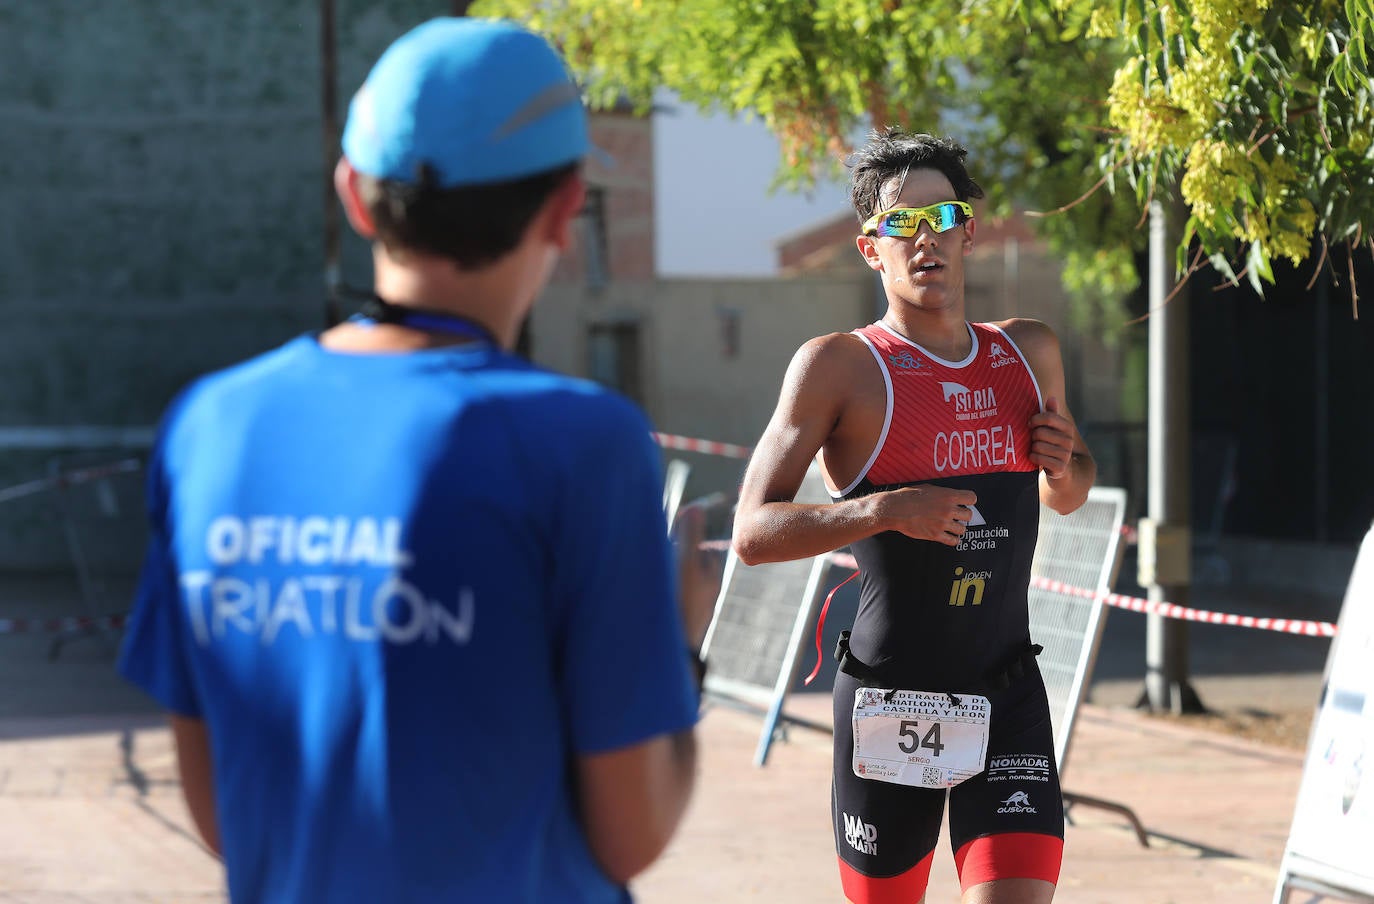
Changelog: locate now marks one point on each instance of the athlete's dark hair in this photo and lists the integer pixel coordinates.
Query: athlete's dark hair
(891, 153)
(472, 225)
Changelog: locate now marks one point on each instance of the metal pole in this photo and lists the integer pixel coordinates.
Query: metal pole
(1165, 544)
(1321, 500)
(329, 118)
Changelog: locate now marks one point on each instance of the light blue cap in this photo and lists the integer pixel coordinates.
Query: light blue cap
(475, 100)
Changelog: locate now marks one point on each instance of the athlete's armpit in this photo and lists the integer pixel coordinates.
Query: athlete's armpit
(816, 391)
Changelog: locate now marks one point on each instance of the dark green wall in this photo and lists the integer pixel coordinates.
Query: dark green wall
(162, 179)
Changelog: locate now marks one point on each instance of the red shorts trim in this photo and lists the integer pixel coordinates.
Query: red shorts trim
(1016, 855)
(903, 888)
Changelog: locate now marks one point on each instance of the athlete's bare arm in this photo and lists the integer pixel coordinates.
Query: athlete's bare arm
(829, 396)
(632, 800)
(1067, 468)
(197, 782)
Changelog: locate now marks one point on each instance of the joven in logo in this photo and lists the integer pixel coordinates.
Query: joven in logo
(966, 586)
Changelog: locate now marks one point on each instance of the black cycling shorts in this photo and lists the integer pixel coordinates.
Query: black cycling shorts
(1007, 822)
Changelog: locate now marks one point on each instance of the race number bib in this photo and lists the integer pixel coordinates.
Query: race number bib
(918, 738)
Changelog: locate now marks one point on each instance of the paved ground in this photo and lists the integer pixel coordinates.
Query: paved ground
(90, 811)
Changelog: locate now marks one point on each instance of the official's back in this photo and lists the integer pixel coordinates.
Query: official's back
(393, 587)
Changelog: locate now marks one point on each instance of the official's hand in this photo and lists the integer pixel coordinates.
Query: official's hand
(938, 514)
(698, 574)
(1051, 440)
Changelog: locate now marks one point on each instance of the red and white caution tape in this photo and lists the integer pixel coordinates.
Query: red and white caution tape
(1173, 610)
(25, 625)
(710, 447)
(846, 560)
(1168, 610)
(70, 478)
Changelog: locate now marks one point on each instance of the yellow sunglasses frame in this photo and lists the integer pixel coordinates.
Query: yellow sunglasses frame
(921, 214)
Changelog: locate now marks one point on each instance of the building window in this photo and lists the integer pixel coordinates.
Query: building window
(614, 352)
(595, 255)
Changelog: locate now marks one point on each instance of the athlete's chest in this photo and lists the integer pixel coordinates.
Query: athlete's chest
(946, 419)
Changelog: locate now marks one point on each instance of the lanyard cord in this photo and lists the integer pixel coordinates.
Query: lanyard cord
(379, 310)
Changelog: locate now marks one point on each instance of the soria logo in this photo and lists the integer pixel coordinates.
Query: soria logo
(969, 404)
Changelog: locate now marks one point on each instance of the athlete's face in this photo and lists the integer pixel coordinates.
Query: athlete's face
(926, 269)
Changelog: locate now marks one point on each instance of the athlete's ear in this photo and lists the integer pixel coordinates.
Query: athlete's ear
(346, 184)
(562, 209)
(868, 247)
(970, 227)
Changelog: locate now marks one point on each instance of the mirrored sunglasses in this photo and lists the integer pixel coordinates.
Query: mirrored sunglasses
(904, 222)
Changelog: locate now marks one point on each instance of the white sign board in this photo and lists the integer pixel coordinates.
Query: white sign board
(1332, 839)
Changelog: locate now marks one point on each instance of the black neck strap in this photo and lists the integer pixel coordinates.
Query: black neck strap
(379, 310)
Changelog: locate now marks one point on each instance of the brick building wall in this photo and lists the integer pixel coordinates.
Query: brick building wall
(620, 211)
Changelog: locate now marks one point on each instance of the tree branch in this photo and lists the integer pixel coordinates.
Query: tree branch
(1081, 198)
(1354, 294)
(1321, 260)
(1193, 267)
(1145, 208)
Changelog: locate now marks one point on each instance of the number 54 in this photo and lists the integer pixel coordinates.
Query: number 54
(931, 741)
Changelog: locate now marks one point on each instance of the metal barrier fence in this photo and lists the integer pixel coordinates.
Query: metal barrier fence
(98, 504)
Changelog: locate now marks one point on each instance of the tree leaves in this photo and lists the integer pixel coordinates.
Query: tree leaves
(1031, 86)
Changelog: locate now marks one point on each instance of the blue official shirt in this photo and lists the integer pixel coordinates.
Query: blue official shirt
(402, 591)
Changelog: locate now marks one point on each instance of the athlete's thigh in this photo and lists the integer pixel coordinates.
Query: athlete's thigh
(885, 833)
(1007, 822)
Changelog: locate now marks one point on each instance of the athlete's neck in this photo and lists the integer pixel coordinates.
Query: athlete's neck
(944, 337)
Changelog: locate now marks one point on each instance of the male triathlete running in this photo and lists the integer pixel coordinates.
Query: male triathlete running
(939, 440)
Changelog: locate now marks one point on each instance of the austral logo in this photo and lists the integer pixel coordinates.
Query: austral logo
(999, 356)
(1019, 802)
(905, 361)
(861, 836)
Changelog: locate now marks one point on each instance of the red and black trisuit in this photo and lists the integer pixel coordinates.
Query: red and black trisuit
(951, 620)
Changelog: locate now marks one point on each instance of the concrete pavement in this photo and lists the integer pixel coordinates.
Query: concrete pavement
(90, 812)
(1216, 810)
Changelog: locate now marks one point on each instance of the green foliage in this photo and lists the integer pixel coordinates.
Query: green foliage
(1256, 113)
(1259, 112)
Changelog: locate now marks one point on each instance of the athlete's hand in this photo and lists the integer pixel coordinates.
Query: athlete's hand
(1051, 440)
(926, 512)
(698, 574)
